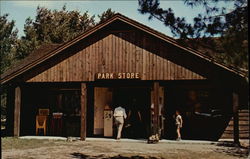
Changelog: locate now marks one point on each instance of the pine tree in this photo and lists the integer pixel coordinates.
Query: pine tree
(231, 27)
(106, 15)
(8, 41)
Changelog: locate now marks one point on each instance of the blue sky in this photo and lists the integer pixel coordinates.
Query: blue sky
(20, 10)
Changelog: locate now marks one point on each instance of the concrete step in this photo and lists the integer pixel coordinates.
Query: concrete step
(243, 118)
(245, 128)
(244, 111)
(241, 122)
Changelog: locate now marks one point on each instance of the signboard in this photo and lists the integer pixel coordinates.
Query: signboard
(108, 123)
(120, 75)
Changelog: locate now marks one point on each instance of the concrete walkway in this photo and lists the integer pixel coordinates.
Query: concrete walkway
(43, 137)
(244, 143)
(122, 140)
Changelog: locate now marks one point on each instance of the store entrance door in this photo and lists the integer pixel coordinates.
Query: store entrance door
(102, 101)
(136, 102)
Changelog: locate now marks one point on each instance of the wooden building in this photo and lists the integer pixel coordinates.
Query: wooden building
(119, 62)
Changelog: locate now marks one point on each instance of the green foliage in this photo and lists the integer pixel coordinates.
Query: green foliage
(232, 27)
(106, 15)
(8, 41)
(60, 26)
(52, 27)
(3, 98)
(235, 46)
(49, 26)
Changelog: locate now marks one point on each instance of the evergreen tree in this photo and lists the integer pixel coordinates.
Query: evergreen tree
(106, 15)
(52, 26)
(231, 27)
(8, 41)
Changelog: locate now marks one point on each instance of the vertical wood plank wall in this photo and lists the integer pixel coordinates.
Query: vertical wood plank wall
(119, 52)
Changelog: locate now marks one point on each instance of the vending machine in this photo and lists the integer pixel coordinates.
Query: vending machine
(108, 122)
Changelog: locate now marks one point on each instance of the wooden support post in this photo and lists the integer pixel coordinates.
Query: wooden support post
(236, 118)
(83, 110)
(155, 108)
(156, 103)
(17, 111)
(161, 109)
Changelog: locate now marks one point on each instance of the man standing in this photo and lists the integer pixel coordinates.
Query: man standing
(120, 115)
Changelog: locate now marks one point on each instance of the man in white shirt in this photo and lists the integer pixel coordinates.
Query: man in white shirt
(119, 115)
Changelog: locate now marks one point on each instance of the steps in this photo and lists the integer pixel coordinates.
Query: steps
(243, 126)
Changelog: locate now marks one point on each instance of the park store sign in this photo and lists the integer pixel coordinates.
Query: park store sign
(119, 75)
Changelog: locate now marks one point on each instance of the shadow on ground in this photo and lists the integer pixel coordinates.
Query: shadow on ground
(83, 156)
(231, 149)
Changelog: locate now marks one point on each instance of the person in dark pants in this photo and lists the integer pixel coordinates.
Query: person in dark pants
(135, 121)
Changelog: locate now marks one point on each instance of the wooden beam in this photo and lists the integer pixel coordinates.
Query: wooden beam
(155, 104)
(236, 118)
(83, 110)
(17, 111)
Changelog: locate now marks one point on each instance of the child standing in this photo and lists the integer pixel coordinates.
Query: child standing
(178, 122)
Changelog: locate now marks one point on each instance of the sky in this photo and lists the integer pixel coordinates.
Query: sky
(20, 10)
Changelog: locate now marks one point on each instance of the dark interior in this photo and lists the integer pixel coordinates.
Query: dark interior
(208, 125)
(136, 102)
(66, 101)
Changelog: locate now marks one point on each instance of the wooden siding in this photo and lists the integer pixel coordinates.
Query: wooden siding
(119, 52)
(243, 126)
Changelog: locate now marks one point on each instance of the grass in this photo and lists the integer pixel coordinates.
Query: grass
(16, 143)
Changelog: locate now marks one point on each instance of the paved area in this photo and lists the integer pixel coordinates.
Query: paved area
(101, 148)
(245, 142)
(44, 137)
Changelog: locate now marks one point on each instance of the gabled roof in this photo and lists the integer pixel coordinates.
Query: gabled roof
(41, 55)
(31, 58)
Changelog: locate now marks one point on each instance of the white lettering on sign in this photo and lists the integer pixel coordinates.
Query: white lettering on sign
(120, 75)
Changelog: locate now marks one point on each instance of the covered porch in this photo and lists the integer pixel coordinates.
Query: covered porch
(77, 101)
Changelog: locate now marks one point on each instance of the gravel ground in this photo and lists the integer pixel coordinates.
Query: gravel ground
(47, 149)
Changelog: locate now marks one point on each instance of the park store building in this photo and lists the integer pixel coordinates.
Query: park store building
(121, 62)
